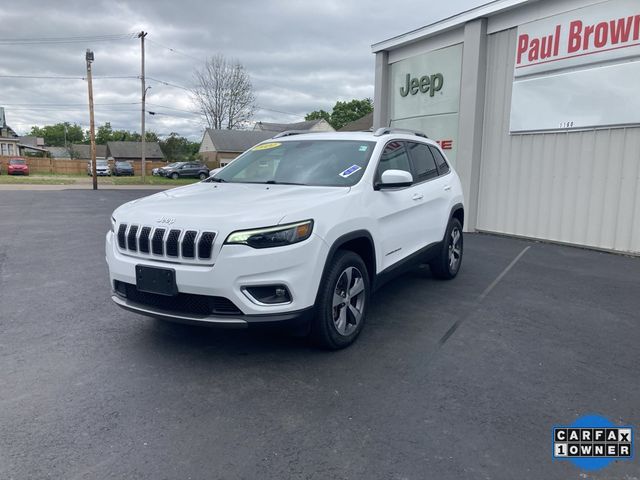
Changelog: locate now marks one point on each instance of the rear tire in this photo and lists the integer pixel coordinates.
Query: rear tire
(202, 176)
(447, 263)
(343, 299)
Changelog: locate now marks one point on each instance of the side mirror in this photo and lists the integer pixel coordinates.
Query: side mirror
(394, 179)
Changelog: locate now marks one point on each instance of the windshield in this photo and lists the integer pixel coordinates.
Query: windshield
(16, 161)
(332, 163)
(173, 165)
(123, 164)
(102, 163)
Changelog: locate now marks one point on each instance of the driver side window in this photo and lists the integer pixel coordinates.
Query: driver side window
(394, 157)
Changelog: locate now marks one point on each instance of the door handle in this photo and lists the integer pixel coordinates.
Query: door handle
(417, 196)
(447, 188)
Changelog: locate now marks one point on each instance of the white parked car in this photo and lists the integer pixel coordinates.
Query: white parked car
(298, 231)
(102, 168)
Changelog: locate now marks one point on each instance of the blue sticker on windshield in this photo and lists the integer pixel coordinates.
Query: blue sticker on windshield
(363, 148)
(350, 171)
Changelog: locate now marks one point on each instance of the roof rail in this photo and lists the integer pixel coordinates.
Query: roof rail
(288, 133)
(385, 130)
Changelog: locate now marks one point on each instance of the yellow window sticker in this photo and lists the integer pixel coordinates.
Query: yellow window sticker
(267, 146)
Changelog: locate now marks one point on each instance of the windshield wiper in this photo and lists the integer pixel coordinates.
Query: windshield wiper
(215, 179)
(275, 182)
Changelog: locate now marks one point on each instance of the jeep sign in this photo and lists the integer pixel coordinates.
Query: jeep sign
(427, 83)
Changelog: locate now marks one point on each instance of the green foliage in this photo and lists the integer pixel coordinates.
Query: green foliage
(318, 114)
(106, 133)
(54, 135)
(179, 149)
(343, 112)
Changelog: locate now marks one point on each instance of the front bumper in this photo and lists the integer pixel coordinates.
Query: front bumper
(298, 321)
(298, 267)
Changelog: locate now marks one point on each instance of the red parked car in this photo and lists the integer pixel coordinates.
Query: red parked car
(18, 166)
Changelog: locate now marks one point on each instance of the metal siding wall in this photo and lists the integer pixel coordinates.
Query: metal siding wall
(575, 187)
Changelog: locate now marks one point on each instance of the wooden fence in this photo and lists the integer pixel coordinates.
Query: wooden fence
(66, 166)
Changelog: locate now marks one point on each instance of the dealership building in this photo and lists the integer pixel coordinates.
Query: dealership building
(537, 104)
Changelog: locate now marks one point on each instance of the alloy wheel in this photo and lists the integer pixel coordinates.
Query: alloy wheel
(455, 249)
(348, 301)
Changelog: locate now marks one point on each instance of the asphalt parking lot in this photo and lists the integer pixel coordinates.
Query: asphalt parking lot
(449, 380)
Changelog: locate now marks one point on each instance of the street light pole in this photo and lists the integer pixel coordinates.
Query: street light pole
(92, 127)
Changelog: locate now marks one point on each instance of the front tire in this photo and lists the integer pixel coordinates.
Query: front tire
(342, 302)
(447, 264)
(174, 176)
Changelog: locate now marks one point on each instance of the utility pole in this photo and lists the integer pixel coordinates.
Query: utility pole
(92, 127)
(141, 36)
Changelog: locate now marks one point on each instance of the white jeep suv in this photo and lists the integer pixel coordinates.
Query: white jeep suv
(298, 231)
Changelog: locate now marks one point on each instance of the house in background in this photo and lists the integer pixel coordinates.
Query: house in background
(363, 124)
(83, 152)
(132, 151)
(319, 125)
(9, 140)
(219, 147)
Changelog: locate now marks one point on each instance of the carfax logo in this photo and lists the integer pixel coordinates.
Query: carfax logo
(592, 442)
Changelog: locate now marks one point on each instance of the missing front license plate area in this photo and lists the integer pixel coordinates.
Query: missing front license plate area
(156, 280)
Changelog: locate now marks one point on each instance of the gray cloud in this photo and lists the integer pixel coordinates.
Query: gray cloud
(301, 56)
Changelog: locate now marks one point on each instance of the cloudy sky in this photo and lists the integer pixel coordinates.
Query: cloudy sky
(301, 55)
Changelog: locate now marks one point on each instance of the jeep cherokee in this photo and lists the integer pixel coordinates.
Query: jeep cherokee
(297, 231)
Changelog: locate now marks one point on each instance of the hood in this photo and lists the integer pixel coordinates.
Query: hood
(227, 206)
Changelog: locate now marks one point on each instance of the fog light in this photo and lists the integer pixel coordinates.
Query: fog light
(268, 294)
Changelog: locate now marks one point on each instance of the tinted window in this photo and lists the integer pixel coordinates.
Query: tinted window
(394, 157)
(423, 162)
(443, 166)
(16, 161)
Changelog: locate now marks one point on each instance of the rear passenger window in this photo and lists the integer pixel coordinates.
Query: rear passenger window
(423, 162)
(443, 166)
(394, 157)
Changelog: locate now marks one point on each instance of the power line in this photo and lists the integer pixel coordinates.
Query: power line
(168, 83)
(64, 77)
(174, 50)
(62, 40)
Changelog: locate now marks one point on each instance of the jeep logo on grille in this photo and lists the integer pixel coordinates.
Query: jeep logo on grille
(166, 220)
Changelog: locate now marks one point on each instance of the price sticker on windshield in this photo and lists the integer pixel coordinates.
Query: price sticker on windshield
(350, 171)
(267, 146)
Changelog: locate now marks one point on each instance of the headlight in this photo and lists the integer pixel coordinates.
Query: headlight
(272, 236)
(113, 224)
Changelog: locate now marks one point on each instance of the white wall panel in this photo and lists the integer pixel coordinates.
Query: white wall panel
(579, 187)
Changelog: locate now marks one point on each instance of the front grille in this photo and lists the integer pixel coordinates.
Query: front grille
(171, 245)
(181, 303)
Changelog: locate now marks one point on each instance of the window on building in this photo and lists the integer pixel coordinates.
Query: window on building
(3, 148)
(423, 163)
(443, 166)
(10, 148)
(394, 157)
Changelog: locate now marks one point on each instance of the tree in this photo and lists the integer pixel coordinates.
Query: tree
(317, 115)
(55, 136)
(106, 133)
(343, 112)
(179, 149)
(223, 93)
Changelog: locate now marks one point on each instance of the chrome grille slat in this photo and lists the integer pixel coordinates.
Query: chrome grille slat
(163, 244)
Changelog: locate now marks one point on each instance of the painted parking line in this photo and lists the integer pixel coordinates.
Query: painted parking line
(482, 296)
